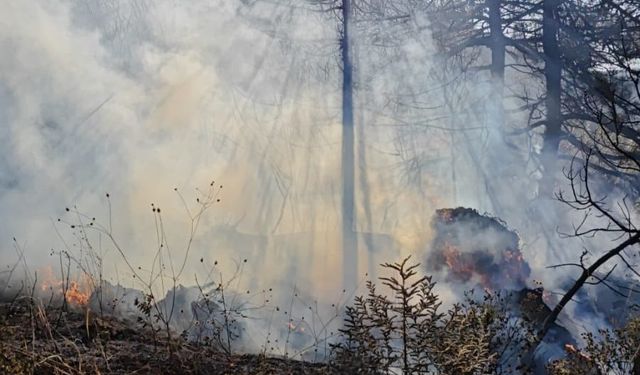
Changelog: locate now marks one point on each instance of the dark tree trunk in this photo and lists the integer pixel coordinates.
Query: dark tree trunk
(553, 76)
(349, 243)
(496, 170)
(498, 51)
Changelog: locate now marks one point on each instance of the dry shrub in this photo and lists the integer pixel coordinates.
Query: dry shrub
(406, 332)
(615, 352)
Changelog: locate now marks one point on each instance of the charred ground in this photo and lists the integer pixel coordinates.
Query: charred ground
(36, 339)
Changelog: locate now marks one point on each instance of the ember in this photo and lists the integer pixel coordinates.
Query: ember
(472, 247)
(459, 266)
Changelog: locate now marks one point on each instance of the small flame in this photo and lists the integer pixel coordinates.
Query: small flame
(75, 296)
(572, 349)
(75, 293)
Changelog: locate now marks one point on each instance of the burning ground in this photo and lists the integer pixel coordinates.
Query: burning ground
(75, 326)
(475, 251)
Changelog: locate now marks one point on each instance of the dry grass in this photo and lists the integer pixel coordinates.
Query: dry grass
(36, 340)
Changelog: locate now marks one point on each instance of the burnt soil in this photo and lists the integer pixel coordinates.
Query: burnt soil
(35, 339)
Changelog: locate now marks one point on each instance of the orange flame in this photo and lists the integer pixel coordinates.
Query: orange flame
(75, 296)
(569, 348)
(459, 267)
(463, 269)
(75, 293)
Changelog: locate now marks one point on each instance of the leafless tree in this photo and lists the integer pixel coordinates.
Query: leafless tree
(604, 172)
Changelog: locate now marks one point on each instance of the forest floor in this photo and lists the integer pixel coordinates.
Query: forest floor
(39, 340)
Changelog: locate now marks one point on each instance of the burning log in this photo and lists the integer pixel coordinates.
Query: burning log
(474, 248)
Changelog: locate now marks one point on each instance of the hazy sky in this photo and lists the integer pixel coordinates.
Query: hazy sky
(139, 97)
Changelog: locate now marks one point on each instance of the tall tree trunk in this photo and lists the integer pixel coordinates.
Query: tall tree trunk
(497, 170)
(498, 52)
(553, 77)
(365, 242)
(349, 241)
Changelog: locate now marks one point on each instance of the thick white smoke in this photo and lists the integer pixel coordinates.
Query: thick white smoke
(137, 97)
